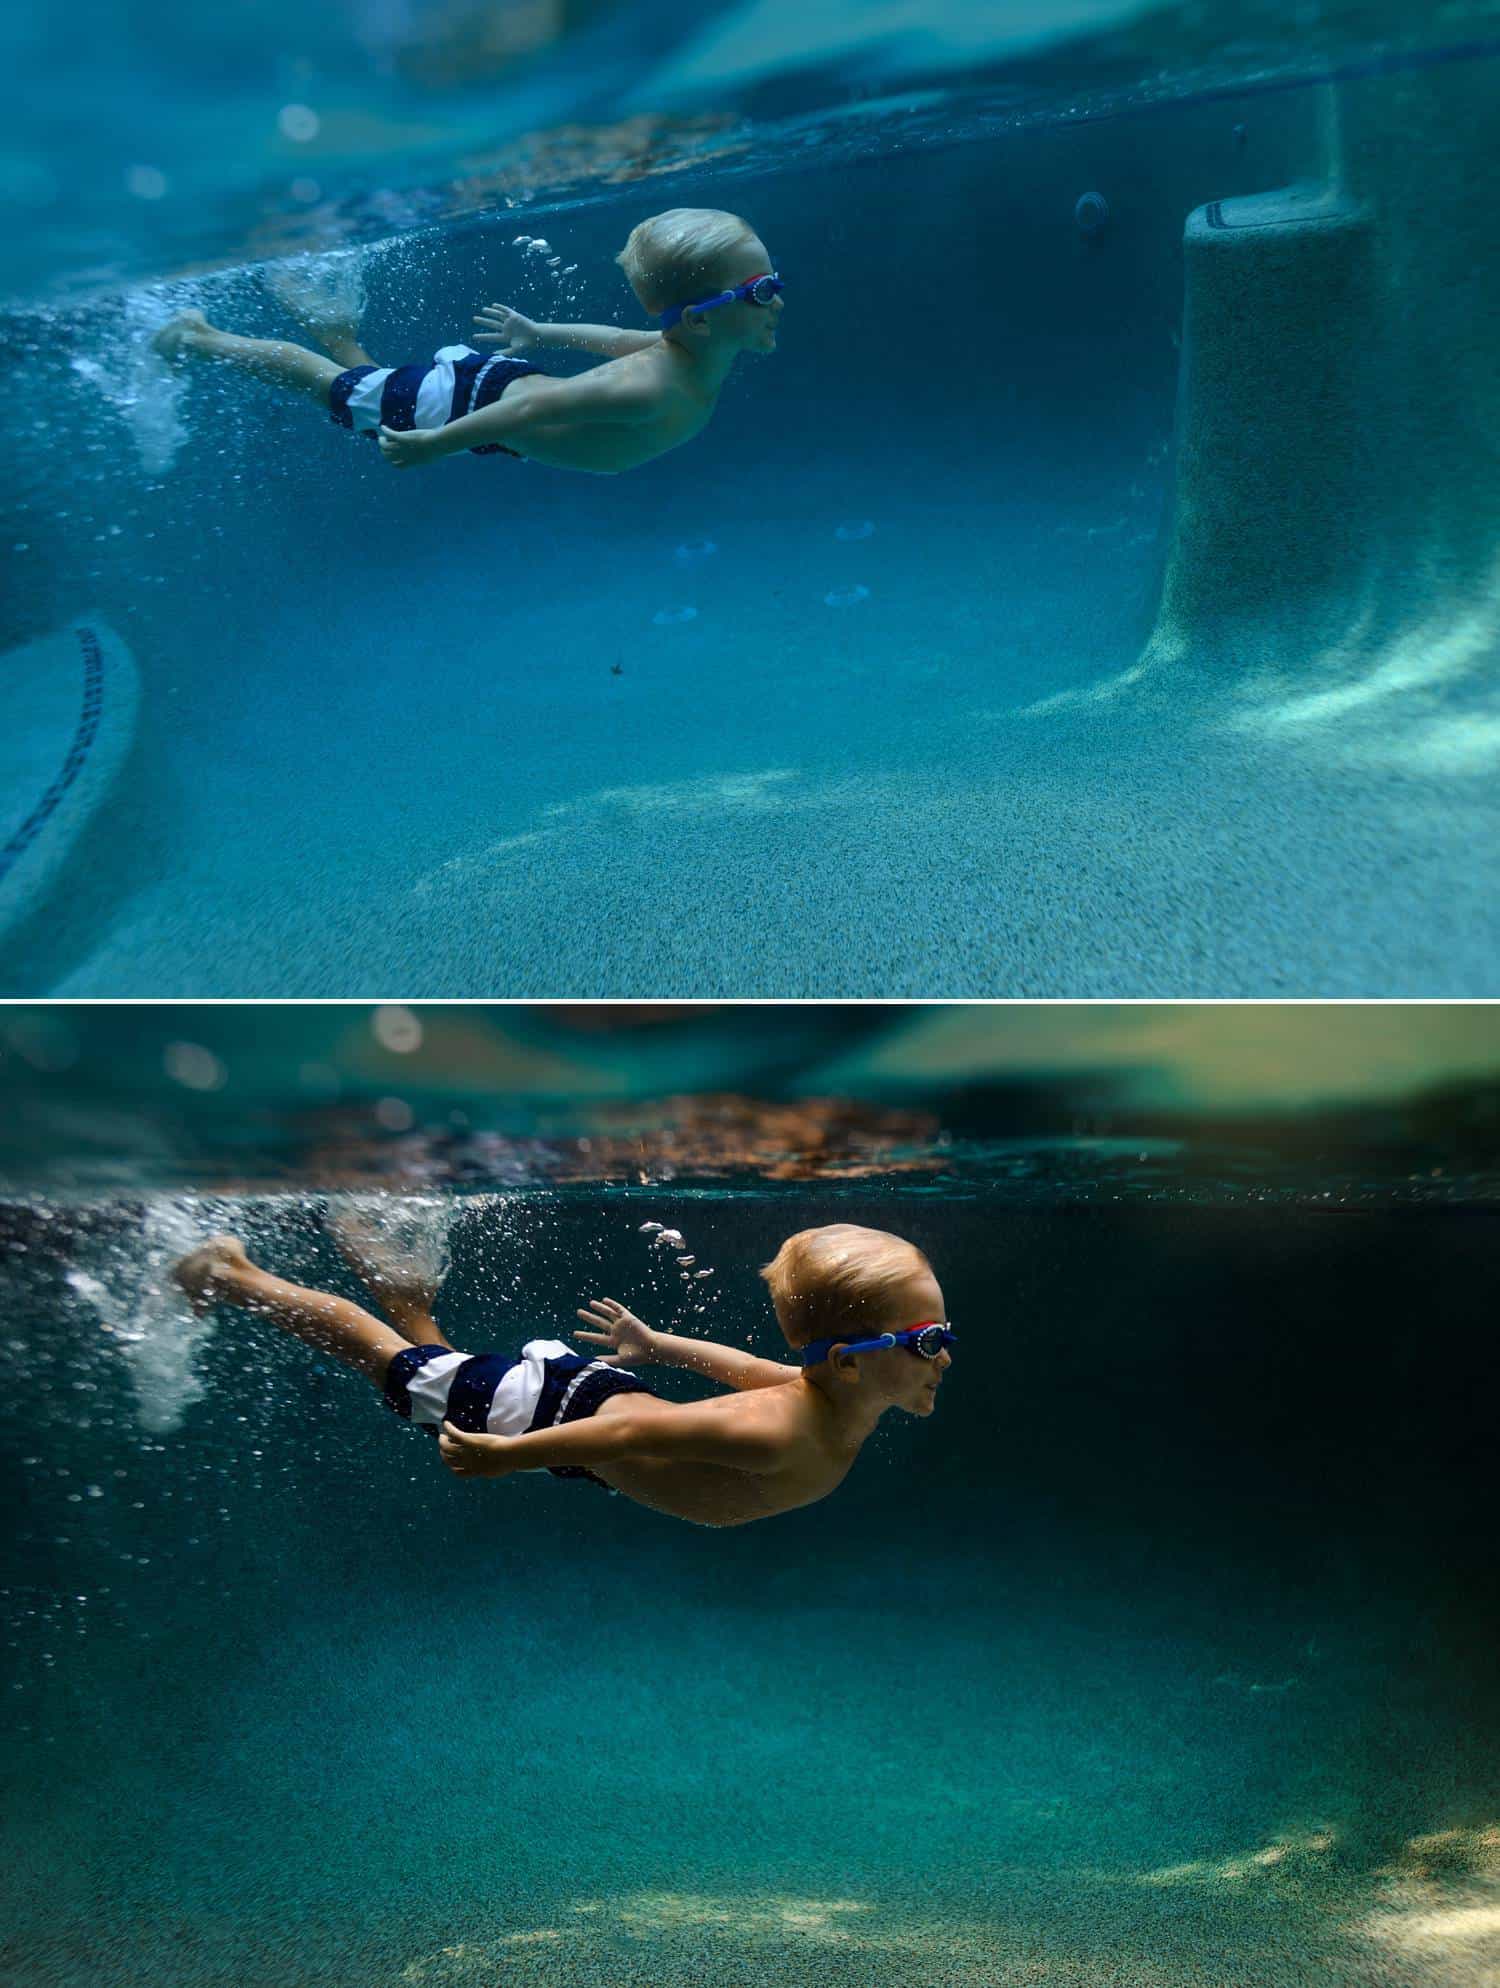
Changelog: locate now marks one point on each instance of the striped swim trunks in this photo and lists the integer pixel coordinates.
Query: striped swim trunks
(459, 381)
(491, 1394)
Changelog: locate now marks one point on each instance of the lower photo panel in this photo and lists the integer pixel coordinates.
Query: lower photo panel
(1092, 1407)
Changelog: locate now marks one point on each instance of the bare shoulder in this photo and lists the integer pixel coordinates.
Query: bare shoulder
(790, 1419)
(761, 1429)
(727, 1461)
(650, 378)
(619, 390)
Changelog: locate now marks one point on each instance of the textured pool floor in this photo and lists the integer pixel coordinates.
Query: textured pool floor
(479, 1797)
(787, 798)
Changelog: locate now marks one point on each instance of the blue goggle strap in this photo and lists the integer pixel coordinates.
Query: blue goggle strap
(819, 1350)
(671, 316)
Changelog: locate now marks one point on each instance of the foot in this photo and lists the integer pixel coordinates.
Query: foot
(393, 1280)
(181, 335)
(205, 1271)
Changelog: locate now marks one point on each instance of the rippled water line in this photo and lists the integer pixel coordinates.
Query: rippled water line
(825, 140)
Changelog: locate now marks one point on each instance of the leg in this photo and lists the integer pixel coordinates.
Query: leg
(274, 359)
(325, 319)
(220, 1273)
(334, 335)
(394, 1283)
(345, 347)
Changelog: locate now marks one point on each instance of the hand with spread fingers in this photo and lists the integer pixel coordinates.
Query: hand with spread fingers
(631, 1338)
(507, 330)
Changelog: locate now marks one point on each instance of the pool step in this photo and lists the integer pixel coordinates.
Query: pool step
(69, 720)
(1273, 511)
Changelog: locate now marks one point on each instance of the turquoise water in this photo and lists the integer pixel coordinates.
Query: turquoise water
(1161, 1654)
(893, 683)
(159, 136)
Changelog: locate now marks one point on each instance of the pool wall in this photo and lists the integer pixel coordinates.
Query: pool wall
(1338, 454)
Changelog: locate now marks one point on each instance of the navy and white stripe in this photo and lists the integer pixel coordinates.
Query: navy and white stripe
(490, 1394)
(459, 381)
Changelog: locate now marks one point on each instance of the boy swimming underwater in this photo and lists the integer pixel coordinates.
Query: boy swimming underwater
(703, 275)
(860, 1308)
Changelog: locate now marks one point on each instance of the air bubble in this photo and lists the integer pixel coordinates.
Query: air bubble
(146, 182)
(299, 123)
(695, 549)
(397, 1029)
(846, 596)
(194, 1067)
(855, 528)
(649, 1229)
(673, 617)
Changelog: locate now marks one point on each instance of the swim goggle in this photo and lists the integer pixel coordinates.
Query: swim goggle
(926, 1341)
(757, 290)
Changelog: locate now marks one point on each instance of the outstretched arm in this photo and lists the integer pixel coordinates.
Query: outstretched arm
(637, 1344)
(726, 1364)
(587, 400)
(508, 331)
(682, 1432)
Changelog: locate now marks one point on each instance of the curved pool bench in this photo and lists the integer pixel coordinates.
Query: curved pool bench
(70, 704)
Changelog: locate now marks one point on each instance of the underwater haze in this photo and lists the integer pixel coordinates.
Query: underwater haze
(1094, 595)
(1160, 1654)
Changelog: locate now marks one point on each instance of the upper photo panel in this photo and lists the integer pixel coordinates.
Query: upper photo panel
(638, 499)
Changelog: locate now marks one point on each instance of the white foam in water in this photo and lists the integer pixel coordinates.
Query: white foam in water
(322, 289)
(413, 1228)
(130, 1291)
(138, 383)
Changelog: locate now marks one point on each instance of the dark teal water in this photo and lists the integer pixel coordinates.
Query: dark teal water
(1162, 1653)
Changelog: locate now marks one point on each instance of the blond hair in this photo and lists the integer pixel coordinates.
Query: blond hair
(838, 1279)
(670, 258)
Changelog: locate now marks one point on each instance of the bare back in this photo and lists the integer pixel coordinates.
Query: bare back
(676, 416)
(806, 1466)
